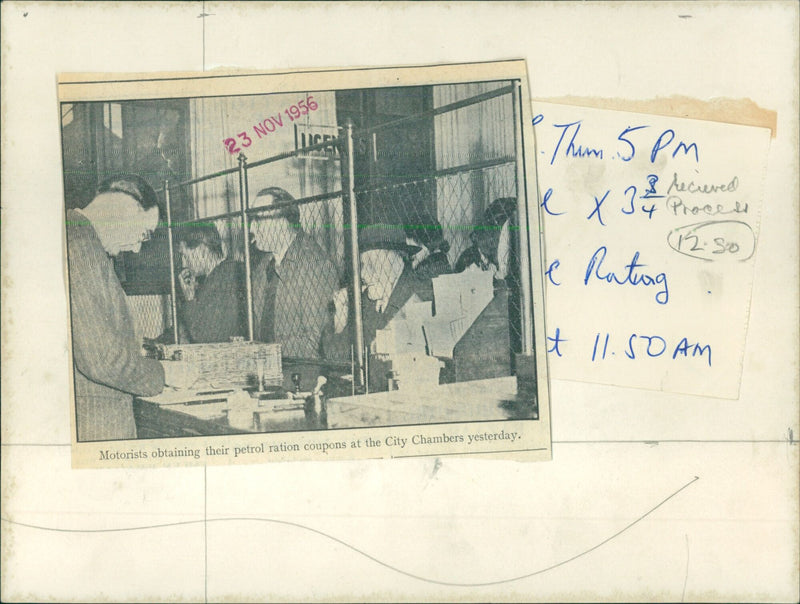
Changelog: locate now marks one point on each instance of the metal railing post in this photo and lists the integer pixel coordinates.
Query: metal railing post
(358, 328)
(244, 203)
(526, 314)
(170, 238)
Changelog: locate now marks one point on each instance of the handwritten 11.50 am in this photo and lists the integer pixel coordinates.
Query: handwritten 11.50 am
(636, 346)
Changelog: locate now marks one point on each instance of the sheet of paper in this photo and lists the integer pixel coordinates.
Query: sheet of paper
(404, 332)
(459, 299)
(651, 229)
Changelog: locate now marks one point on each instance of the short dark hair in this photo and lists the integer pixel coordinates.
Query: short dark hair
(195, 235)
(290, 213)
(133, 185)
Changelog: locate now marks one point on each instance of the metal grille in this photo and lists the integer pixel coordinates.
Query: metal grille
(448, 212)
(463, 197)
(460, 202)
(310, 270)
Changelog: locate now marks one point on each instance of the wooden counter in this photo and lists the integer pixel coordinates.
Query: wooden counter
(479, 400)
(176, 413)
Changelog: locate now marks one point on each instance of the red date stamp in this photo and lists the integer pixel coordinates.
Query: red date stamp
(270, 124)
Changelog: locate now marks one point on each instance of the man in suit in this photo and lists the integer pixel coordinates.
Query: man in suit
(215, 305)
(293, 282)
(107, 363)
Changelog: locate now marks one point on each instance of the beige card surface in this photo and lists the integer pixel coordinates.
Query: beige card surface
(649, 496)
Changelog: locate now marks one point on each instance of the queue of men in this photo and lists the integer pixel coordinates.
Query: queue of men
(294, 282)
(294, 290)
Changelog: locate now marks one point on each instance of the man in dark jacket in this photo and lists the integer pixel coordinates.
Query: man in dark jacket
(294, 281)
(214, 308)
(494, 248)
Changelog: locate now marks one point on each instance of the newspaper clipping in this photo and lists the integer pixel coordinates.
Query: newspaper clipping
(324, 264)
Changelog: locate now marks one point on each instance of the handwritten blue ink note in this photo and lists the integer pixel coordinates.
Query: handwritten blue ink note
(651, 228)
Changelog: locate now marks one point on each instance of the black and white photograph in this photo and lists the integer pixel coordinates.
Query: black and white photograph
(316, 260)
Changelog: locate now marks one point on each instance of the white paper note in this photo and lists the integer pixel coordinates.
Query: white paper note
(405, 329)
(459, 298)
(651, 227)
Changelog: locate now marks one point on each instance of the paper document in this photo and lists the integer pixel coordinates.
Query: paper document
(459, 299)
(404, 333)
(651, 231)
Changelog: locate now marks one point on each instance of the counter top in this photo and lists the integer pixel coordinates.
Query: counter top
(230, 411)
(479, 400)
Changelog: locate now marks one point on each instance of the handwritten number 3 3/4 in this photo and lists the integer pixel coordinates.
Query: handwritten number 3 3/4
(293, 112)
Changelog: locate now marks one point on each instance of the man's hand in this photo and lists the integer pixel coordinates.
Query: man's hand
(340, 300)
(188, 282)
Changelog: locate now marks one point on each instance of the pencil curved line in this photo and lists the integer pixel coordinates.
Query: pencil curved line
(365, 554)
